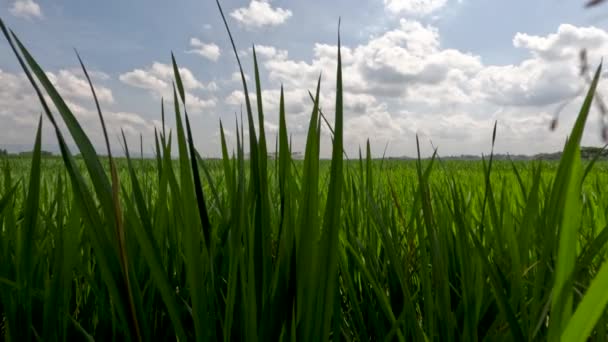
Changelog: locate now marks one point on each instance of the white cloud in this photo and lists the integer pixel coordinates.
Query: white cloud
(551, 74)
(143, 79)
(236, 77)
(27, 9)
(207, 50)
(17, 97)
(71, 86)
(96, 75)
(565, 43)
(386, 127)
(157, 79)
(531, 83)
(403, 82)
(159, 76)
(212, 86)
(269, 52)
(259, 14)
(15, 90)
(236, 98)
(414, 7)
(20, 110)
(197, 104)
(397, 84)
(389, 65)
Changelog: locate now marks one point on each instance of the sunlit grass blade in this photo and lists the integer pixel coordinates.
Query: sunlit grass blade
(198, 187)
(26, 244)
(566, 198)
(98, 177)
(120, 230)
(593, 305)
(226, 162)
(5, 201)
(192, 233)
(488, 192)
(106, 251)
(307, 231)
(499, 292)
(263, 225)
(215, 195)
(150, 251)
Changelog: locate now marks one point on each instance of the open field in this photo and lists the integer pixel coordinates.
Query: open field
(263, 249)
(393, 222)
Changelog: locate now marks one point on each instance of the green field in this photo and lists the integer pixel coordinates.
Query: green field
(266, 249)
(392, 223)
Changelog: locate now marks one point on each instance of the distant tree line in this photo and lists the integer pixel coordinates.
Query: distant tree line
(587, 152)
(5, 153)
(30, 153)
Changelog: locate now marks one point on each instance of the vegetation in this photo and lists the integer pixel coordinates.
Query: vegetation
(30, 154)
(587, 152)
(281, 249)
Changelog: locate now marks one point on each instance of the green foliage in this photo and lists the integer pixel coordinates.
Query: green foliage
(266, 249)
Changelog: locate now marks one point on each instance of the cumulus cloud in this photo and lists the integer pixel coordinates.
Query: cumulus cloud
(236, 98)
(158, 76)
(414, 7)
(551, 74)
(531, 83)
(403, 82)
(207, 50)
(17, 97)
(564, 44)
(20, 110)
(28, 9)
(236, 77)
(406, 57)
(15, 89)
(260, 14)
(397, 84)
(74, 87)
(157, 79)
(269, 52)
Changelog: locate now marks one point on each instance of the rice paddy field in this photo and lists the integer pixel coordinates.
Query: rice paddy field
(179, 247)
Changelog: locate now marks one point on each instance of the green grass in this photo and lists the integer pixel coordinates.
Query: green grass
(263, 249)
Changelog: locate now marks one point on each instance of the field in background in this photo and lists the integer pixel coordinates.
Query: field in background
(389, 231)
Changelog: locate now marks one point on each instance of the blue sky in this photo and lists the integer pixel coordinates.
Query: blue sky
(442, 69)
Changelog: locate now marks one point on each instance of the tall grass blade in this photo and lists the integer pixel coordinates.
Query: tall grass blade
(566, 198)
(26, 244)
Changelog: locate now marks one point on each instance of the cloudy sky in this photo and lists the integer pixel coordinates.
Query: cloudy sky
(442, 69)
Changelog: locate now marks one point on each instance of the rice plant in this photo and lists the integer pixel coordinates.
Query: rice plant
(259, 249)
